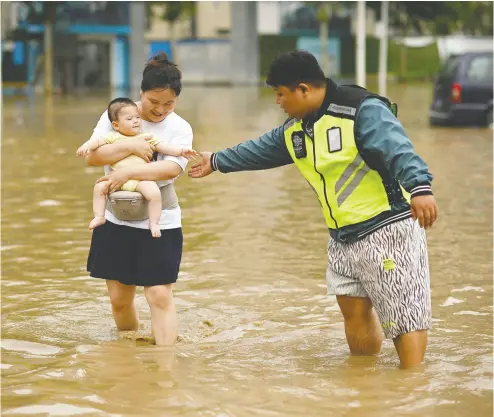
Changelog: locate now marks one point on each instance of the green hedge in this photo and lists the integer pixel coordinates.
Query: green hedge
(348, 52)
(420, 62)
(272, 45)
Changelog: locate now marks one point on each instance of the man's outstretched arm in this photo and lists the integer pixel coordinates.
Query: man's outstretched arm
(268, 151)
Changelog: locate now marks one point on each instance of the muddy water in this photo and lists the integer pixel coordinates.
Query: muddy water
(258, 336)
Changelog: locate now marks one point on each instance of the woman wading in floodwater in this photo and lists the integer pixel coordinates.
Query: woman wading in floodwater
(123, 252)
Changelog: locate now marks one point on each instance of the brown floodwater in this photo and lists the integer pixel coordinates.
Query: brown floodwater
(258, 334)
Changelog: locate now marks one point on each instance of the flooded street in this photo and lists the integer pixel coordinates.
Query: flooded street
(258, 335)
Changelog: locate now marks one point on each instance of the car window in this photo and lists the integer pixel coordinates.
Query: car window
(480, 69)
(450, 67)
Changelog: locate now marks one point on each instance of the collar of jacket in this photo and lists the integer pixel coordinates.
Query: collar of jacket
(331, 87)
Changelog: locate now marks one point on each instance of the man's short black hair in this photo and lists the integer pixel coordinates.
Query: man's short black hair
(118, 104)
(292, 68)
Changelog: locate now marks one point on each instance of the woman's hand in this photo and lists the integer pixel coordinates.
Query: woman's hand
(141, 147)
(115, 180)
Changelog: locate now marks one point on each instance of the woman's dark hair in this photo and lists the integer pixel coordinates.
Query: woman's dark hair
(292, 68)
(161, 74)
(118, 104)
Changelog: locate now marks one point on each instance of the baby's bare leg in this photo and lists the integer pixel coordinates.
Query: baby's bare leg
(151, 192)
(99, 204)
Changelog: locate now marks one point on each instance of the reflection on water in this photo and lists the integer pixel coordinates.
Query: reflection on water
(258, 336)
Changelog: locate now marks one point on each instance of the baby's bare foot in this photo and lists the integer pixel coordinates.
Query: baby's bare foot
(155, 230)
(97, 221)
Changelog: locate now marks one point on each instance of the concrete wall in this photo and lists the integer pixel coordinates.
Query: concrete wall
(211, 17)
(207, 62)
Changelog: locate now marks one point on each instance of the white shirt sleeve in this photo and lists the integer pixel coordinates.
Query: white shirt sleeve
(103, 128)
(181, 137)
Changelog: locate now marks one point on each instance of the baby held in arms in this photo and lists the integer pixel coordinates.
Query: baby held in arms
(126, 122)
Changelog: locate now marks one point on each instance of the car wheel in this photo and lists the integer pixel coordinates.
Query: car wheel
(434, 122)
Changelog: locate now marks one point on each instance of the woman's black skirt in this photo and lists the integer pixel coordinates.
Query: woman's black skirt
(133, 257)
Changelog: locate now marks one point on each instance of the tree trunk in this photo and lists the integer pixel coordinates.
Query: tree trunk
(172, 43)
(48, 46)
(325, 17)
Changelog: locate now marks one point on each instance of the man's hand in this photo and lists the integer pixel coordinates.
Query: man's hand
(142, 148)
(115, 180)
(424, 208)
(203, 167)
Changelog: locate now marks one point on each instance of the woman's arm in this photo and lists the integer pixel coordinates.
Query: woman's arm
(156, 171)
(107, 155)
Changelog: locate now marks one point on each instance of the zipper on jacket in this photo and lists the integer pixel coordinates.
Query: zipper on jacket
(322, 178)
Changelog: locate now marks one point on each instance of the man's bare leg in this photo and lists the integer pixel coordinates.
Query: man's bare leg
(362, 328)
(411, 348)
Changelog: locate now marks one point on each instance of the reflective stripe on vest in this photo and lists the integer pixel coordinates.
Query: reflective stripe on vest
(348, 190)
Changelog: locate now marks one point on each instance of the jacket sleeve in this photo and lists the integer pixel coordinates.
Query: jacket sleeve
(382, 141)
(268, 151)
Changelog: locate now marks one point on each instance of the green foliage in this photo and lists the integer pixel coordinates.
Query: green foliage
(177, 9)
(438, 17)
(174, 10)
(421, 63)
(272, 45)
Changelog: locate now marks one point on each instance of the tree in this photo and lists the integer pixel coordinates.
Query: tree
(439, 18)
(49, 19)
(170, 11)
(324, 12)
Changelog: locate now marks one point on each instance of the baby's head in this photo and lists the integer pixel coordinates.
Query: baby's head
(124, 116)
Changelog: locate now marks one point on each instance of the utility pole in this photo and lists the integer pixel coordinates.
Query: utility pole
(383, 49)
(244, 45)
(361, 35)
(137, 48)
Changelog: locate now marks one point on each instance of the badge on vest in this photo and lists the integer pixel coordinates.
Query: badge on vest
(334, 139)
(298, 142)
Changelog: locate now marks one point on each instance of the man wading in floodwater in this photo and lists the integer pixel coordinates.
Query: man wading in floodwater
(375, 193)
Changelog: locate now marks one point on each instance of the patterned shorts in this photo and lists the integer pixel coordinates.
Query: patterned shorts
(390, 267)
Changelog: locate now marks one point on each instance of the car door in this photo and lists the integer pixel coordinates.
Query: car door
(443, 84)
(476, 80)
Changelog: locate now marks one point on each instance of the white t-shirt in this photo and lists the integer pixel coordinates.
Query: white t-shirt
(175, 131)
